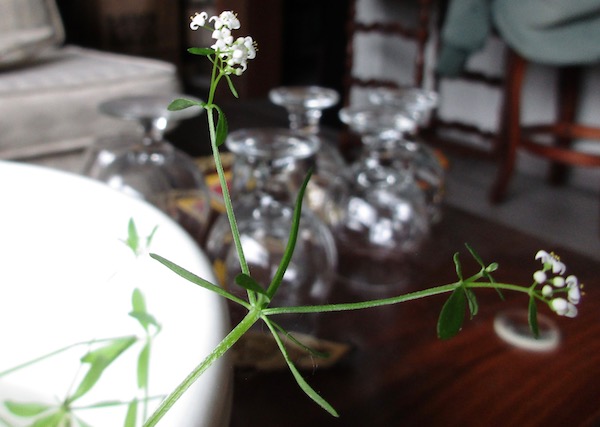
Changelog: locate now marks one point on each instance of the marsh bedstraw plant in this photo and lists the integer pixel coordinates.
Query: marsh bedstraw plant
(229, 57)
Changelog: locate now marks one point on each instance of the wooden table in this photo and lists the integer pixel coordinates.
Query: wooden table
(399, 374)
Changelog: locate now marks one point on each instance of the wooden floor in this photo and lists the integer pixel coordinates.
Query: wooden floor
(567, 216)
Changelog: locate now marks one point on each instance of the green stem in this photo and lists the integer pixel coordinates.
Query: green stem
(219, 351)
(226, 196)
(56, 352)
(110, 404)
(215, 78)
(214, 81)
(390, 301)
(235, 233)
(147, 385)
(504, 286)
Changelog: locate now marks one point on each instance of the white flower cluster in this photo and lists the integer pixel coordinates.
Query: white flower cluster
(234, 53)
(558, 284)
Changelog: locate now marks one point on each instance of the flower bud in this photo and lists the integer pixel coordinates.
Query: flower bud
(539, 277)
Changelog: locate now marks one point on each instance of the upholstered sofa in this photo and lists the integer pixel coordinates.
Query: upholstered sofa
(49, 92)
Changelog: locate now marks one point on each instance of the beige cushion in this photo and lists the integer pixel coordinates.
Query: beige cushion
(51, 106)
(27, 29)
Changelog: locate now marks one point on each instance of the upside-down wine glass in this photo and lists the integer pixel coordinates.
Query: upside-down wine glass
(269, 167)
(305, 105)
(427, 163)
(385, 216)
(149, 167)
(510, 325)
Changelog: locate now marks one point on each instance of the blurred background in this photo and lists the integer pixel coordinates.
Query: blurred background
(347, 45)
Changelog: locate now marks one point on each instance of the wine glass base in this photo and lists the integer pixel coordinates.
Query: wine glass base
(513, 327)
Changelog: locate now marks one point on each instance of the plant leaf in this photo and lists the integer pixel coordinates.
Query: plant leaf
(248, 283)
(151, 236)
(145, 319)
(457, 266)
(99, 360)
(82, 423)
(475, 255)
(133, 238)
(140, 312)
(188, 275)
(491, 268)
(29, 409)
(231, 86)
(291, 244)
(472, 300)
(222, 127)
(143, 366)
(486, 270)
(204, 51)
(131, 417)
(306, 388)
(452, 314)
(138, 302)
(309, 350)
(532, 318)
(56, 419)
(182, 104)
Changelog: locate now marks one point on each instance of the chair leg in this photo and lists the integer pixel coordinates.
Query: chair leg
(568, 98)
(509, 134)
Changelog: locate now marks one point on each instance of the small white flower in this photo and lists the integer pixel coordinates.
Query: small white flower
(555, 285)
(572, 280)
(233, 53)
(550, 260)
(250, 47)
(574, 291)
(547, 291)
(571, 311)
(574, 295)
(562, 307)
(226, 19)
(198, 20)
(539, 277)
(237, 55)
(223, 38)
(559, 305)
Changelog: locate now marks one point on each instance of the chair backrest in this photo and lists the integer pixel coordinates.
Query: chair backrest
(27, 28)
(417, 32)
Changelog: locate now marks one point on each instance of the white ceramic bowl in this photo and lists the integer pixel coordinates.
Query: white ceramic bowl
(66, 276)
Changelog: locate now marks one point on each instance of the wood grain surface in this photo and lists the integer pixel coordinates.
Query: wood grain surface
(399, 374)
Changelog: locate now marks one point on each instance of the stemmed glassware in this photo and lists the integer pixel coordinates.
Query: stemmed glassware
(269, 167)
(418, 102)
(511, 326)
(385, 215)
(147, 166)
(305, 105)
(427, 164)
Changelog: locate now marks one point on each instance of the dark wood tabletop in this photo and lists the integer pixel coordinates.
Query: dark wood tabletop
(398, 373)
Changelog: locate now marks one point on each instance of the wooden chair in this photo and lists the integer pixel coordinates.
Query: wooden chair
(563, 131)
(420, 33)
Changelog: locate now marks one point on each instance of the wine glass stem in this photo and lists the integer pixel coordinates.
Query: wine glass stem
(304, 120)
(153, 130)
